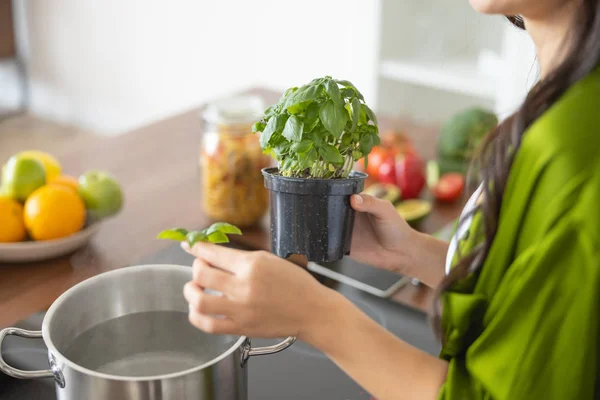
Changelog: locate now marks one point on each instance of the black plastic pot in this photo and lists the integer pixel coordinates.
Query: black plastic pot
(312, 217)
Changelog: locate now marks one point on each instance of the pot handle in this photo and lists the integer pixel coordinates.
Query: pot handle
(18, 373)
(248, 351)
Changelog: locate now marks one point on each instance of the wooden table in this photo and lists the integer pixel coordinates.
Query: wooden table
(157, 166)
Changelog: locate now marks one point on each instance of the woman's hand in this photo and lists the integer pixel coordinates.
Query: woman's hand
(382, 238)
(262, 294)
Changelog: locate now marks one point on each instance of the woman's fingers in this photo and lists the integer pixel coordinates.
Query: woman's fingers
(219, 256)
(211, 324)
(209, 277)
(204, 303)
(368, 204)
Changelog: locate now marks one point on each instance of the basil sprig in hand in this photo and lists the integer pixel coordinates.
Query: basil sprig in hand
(216, 233)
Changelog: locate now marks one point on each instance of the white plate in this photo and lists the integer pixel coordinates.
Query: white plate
(43, 250)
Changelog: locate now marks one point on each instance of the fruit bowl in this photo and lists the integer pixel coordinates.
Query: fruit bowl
(22, 252)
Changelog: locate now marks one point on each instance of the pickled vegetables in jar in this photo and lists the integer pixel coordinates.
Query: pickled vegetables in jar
(231, 160)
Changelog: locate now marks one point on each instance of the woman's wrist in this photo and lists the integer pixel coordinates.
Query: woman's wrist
(328, 312)
(423, 257)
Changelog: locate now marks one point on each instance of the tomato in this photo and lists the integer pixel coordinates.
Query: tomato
(410, 175)
(449, 187)
(376, 158)
(387, 171)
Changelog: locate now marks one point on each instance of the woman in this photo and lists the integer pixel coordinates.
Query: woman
(519, 302)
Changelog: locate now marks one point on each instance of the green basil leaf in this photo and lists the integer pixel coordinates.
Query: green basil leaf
(331, 154)
(195, 237)
(290, 91)
(347, 93)
(348, 108)
(282, 148)
(356, 108)
(311, 156)
(371, 129)
(356, 155)
(275, 124)
(333, 117)
(258, 127)
(218, 237)
(333, 91)
(173, 234)
(345, 83)
(362, 118)
(367, 142)
(269, 111)
(370, 113)
(346, 140)
(265, 136)
(302, 147)
(349, 85)
(359, 94)
(311, 116)
(293, 129)
(305, 93)
(223, 227)
(317, 135)
(298, 108)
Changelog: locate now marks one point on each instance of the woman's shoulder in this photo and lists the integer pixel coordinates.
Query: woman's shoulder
(565, 140)
(557, 166)
(571, 127)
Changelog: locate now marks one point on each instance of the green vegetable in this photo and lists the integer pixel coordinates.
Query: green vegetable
(450, 164)
(216, 233)
(414, 211)
(318, 130)
(433, 173)
(460, 136)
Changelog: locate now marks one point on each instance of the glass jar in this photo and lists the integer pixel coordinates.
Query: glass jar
(231, 160)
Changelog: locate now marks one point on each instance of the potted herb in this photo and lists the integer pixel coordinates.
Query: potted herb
(315, 133)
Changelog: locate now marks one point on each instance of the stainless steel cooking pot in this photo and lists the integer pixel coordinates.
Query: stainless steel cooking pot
(125, 335)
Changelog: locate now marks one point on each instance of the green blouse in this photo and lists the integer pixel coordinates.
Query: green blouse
(528, 325)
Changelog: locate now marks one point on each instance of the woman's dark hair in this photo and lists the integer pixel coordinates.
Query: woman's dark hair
(500, 146)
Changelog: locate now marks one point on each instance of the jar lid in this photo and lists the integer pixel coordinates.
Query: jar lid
(234, 110)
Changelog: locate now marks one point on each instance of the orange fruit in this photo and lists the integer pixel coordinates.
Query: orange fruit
(65, 180)
(53, 212)
(12, 227)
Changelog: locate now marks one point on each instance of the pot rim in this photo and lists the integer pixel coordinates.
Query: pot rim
(109, 275)
(354, 176)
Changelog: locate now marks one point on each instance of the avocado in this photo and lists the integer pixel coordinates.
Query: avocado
(414, 211)
(384, 191)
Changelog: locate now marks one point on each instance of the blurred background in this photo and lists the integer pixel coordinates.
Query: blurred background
(111, 66)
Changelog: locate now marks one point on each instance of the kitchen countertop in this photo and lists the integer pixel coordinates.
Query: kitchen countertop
(157, 166)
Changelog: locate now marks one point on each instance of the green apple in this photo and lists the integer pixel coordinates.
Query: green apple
(101, 194)
(21, 176)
